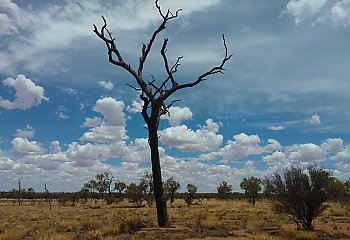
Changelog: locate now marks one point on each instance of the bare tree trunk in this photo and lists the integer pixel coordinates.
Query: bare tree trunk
(157, 177)
(19, 190)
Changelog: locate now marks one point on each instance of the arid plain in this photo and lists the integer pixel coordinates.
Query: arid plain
(213, 219)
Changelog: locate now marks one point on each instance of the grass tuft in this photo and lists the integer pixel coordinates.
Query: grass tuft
(130, 224)
(293, 234)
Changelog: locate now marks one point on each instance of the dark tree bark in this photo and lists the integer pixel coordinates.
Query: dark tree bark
(154, 96)
(19, 190)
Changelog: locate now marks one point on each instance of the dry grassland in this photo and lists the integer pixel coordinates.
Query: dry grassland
(213, 219)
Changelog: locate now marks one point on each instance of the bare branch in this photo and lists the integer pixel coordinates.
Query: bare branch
(176, 65)
(171, 104)
(166, 16)
(213, 71)
(147, 48)
(113, 50)
(136, 89)
(166, 64)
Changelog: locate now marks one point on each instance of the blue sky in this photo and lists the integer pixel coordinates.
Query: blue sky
(67, 114)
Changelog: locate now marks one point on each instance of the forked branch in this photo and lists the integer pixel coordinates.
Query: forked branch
(147, 48)
(173, 69)
(217, 69)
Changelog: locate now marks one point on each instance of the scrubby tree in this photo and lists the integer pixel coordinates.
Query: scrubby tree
(91, 186)
(224, 189)
(171, 186)
(346, 199)
(104, 184)
(146, 183)
(84, 193)
(135, 194)
(335, 189)
(120, 186)
(251, 187)
(155, 94)
(30, 193)
(300, 194)
(191, 193)
(347, 187)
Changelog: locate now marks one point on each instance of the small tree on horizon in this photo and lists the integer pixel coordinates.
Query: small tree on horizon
(104, 184)
(146, 183)
(251, 188)
(91, 186)
(120, 186)
(224, 189)
(299, 194)
(336, 189)
(171, 186)
(135, 194)
(191, 193)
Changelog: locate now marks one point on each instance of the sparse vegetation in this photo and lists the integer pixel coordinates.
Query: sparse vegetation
(300, 194)
(251, 188)
(304, 190)
(135, 194)
(224, 189)
(120, 186)
(191, 193)
(171, 186)
(214, 219)
(146, 184)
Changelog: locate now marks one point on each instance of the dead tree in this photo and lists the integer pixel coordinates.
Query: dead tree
(47, 193)
(154, 96)
(19, 190)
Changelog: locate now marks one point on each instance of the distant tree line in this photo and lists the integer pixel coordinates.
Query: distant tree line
(297, 192)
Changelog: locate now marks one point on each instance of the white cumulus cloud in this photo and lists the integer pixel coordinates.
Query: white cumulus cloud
(308, 152)
(332, 145)
(241, 146)
(112, 110)
(342, 156)
(314, 120)
(104, 133)
(340, 13)
(86, 155)
(275, 158)
(304, 9)
(185, 139)
(92, 122)
(106, 85)
(23, 146)
(335, 11)
(27, 132)
(211, 126)
(27, 95)
(136, 106)
(177, 115)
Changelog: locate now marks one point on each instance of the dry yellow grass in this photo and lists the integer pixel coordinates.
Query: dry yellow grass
(214, 219)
